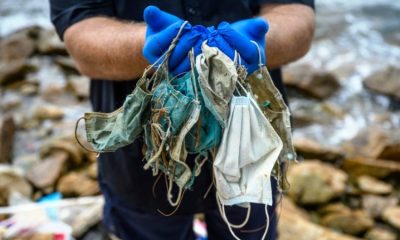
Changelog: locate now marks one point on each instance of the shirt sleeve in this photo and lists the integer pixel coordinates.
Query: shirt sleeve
(305, 2)
(65, 13)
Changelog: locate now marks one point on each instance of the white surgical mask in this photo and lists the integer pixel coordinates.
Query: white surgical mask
(248, 152)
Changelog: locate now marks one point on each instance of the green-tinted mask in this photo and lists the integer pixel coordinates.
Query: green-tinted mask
(106, 132)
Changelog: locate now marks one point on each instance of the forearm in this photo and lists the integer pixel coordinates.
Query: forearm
(291, 29)
(106, 48)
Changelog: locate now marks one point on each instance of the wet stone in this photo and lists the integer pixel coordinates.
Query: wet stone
(77, 184)
(18, 45)
(67, 145)
(376, 205)
(391, 215)
(47, 172)
(48, 111)
(376, 142)
(67, 64)
(378, 168)
(11, 181)
(92, 170)
(9, 101)
(314, 182)
(380, 233)
(49, 43)
(351, 222)
(313, 82)
(372, 185)
(80, 86)
(385, 81)
(14, 71)
(292, 225)
(311, 149)
(7, 133)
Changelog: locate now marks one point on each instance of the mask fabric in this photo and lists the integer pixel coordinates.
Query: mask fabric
(217, 80)
(274, 108)
(248, 152)
(109, 131)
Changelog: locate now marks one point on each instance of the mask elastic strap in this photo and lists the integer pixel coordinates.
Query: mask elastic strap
(260, 64)
(158, 153)
(77, 138)
(192, 65)
(230, 226)
(163, 60)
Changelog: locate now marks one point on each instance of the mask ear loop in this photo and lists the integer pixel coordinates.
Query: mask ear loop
(192, 65)
(260, 64)
(163, 60)
(79, 141)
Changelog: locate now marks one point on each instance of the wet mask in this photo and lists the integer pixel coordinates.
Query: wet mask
(109, 131)
(248, 152)
(217, 80)
(274, 108)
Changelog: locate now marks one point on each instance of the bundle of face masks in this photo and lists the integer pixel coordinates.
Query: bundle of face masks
(216, 111)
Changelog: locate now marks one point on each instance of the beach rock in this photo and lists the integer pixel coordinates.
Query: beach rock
(310, 112)
(311, 149)
(26, 162)
(380, 233)
(77, 184)
(49, 43)
(333, 208)
(48, 111)
(67, 64)
(372, 185)
(357, 166)
(46, 173)
(376, 142)
(314, 82)
(64, 144)
(80, 86)
(376, 205)
(385, 81)
(29, 88)
(92, 170)
(7, 133)
(19, 45)
(14, 71)
(391, 215)
(351, 222)
(314, 182)
(292, 225)
(9, 101)
(11, 181)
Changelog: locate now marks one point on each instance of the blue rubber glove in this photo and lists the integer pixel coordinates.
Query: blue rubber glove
(162, 28)
(239, 36)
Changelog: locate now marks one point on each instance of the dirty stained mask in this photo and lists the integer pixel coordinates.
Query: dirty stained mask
(106, 132)
(217, 80)
(274, 108)
(173, 114)
(206, 134)
(248, 152)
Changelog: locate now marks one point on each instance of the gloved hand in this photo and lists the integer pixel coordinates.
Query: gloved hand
(162, 28)
(239, 36)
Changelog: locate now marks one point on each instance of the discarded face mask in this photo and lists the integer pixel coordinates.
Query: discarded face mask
(172, 116)
(106, 132)
(274, 108)
(217, 80)
(248, 152)
(249, 149)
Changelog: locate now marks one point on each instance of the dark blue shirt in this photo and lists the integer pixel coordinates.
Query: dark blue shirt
(121, 174)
